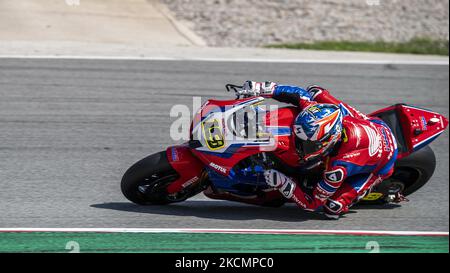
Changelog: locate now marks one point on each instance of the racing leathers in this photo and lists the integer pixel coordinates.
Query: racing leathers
(364, 156)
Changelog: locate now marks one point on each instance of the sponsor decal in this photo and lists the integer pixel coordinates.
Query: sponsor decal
(387, 147)
(374, 140)
(190, 181)
(373, 196)
(351, 155)
(287, 190)
(217, 167)
(424, 123)
(300, 203)
(175, 157)
(334, 176)
(334, 206)
(321, 196)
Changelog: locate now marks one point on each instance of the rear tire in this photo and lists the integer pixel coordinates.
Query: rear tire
(411, 173)
(146, 181)
(415, 170)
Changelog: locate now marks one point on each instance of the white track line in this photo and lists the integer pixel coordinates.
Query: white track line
(235, 231)
(250, 60)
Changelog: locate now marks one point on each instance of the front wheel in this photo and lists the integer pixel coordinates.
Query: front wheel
(147, 180)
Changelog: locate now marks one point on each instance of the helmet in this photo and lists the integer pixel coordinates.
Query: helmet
(318, 128)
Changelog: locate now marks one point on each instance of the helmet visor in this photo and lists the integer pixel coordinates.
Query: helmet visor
(307, 147)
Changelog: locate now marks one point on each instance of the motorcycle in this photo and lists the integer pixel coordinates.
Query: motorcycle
(233, 142)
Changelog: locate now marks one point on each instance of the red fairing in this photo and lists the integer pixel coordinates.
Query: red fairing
(187, 166)
(285, 143)
(419, 126)
(212, 106)
(222, 165)
(286, 150)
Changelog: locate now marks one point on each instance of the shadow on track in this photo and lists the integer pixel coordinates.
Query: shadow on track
(222, 210)
(375, 206)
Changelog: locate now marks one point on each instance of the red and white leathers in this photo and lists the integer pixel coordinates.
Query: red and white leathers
(364, 157)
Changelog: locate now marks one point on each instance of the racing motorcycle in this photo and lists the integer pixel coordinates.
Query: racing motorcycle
(233, 142)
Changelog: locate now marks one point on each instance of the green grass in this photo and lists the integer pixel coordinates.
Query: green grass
(92, 242)
(414, 46)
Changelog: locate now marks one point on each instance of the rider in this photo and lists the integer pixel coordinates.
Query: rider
(356, 152)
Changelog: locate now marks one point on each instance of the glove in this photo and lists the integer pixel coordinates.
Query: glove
(278, 180)
(252, 88)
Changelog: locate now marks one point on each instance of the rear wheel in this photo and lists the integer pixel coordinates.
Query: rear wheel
(411, 173)
(416, 169)
(147, 180)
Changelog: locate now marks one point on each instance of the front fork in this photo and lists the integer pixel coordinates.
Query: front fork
(188, 167)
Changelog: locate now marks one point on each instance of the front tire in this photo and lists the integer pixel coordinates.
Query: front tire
(147, 180)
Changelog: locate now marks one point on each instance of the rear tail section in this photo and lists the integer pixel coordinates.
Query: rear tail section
(413, 127)
(421, 126)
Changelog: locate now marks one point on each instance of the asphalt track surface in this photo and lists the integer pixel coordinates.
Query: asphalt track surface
(70, 128)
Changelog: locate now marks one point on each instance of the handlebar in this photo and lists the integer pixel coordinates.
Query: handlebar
(236, 88)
